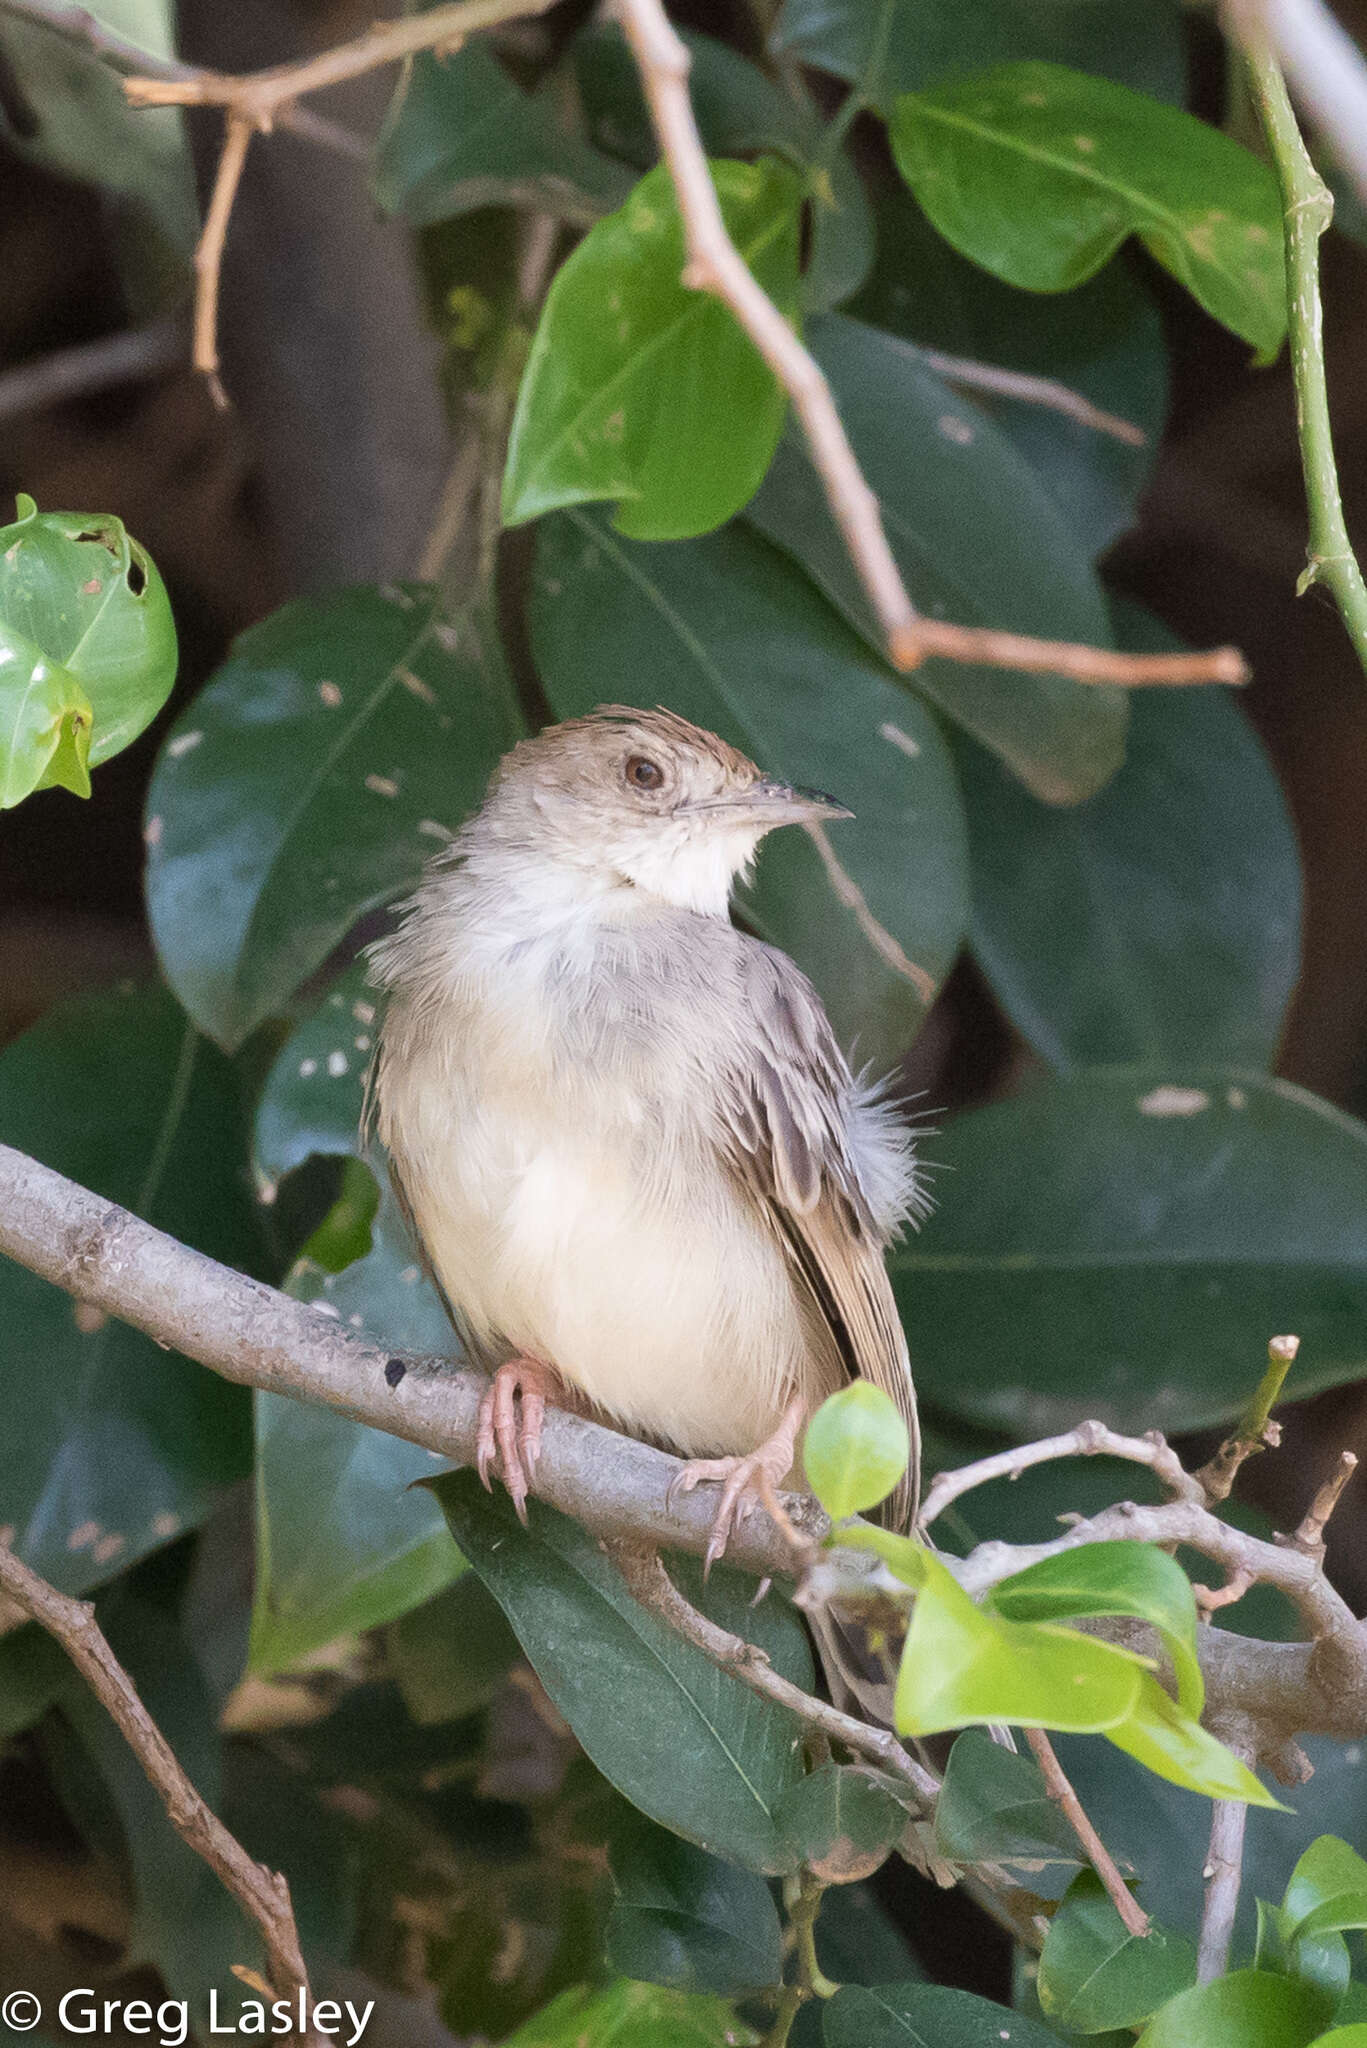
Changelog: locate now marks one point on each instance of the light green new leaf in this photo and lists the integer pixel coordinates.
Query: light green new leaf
(1352, 2036)
(1177, 1216)
(855, 1450)
(640, 390)
(624, 2014)
(1327, 1890)
(961, 1664)
(1247, 2009)
(1157, 1734)
(1135, 1579)
(1039, 173)
(1094, 1974)
(340, 745)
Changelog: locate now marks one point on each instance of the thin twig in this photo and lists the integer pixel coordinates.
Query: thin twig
(993, 649)
(651, 1585)
(1223, 1871)
(1046, 392)
(1056, 1783)
(134, 353)
(263, 1894)
(1087, 1440)
(1257, 1431)
(1309, 1537)
(1307, 209)
(237, 135)
(1326, 68)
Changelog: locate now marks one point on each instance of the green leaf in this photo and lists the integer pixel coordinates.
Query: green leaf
(926, 2016)
(1136, 1579)
(1327, 1890)
(841, 1820)
(961, 1664)
(1179, 887)
(1039, 173)
(1094, 1974)
(111, 1444)
(978, 539)
(697, 1751)
(1176, 1217)
(1247, 2009)
(855, 1450)
(665, 406)
(87, 647)
(1103, 341)
(34, 1674)
(1169, 1742)
(627, 2015)
(892, 46)
(337, 748)
(450, 1655)
(1354, 2036)
(459, 135)
(994, 1808)
(731, 635)
(686, 1919)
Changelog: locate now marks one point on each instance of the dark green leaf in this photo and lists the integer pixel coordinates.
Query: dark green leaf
(697, 1751)
(1135, 1579)
(994, 1808)
(1095, 1974)
(978, 540)
(1247, 2009)
(1179, 887)
(892, 46)
(450, 1655)
(34, 1673)
(459, 134)
(1327, 1890)
(1039, 173)
(87, 647)
(1103, 341)
(686, 1919)
(855, 1450)
(841, 1821)
(339, 746)
(112, 1445)
(665, 406)
(627, 2015)
(1176, 1218)
(926, 2016)
(729, 634)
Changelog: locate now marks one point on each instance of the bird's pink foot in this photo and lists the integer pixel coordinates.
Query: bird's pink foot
(511, 1417)
(745, 1480)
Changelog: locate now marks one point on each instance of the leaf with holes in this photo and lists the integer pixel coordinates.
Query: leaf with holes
(339, 745)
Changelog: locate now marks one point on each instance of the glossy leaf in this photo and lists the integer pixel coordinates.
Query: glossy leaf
(459, 134)
(686, 1919)
(1039, 173)
(1247, 2009)
(994, 1808)
(841, 1821)
(855, 1450)
(961, 1664)
(87, 647)
(112, 1445)
(892, 46)
(1094, 1974)
(627, 2015)
(978, 540)
(1134, 1579)
(1170, 1743)
(1327, 1890)
(1180, 885)
(1178, 1216)
(642, 391)
(727, 632)
(697, 1752)
(340, 744)
(1352, 2036)
(1103, 341)
(918, 2015)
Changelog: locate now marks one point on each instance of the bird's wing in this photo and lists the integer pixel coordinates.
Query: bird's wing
(787, 1106)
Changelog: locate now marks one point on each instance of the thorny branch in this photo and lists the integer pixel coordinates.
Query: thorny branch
(259, 100)
(263, 1894)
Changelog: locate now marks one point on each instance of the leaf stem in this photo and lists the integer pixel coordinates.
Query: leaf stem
(802, 1897)
(1307, 209)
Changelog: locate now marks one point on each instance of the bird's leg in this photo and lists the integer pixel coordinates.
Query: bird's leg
(511, 1416)
(745, 1480)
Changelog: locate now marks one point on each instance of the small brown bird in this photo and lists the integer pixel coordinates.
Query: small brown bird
(640, 1168)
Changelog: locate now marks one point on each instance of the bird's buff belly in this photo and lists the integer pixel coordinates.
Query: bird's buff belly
(682, 1324)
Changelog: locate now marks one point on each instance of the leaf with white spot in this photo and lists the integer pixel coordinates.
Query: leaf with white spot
(339, 745)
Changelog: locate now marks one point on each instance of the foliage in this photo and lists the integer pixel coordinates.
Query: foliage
(499, 1778)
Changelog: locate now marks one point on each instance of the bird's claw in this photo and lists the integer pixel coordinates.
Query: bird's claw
(511, 1416)
(745, 1483)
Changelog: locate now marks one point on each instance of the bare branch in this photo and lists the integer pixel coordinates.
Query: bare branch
(1309, 1537)
(89, 366)
(1041, 391)
(1223, 1870)
(1068, 658)
(1088, 1440)
(237, 135)
(263, 1894)
(1135, 1919)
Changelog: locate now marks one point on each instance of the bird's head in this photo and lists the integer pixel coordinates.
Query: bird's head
(646, 799)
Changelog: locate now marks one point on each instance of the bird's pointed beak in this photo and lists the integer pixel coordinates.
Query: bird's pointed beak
(771, 803)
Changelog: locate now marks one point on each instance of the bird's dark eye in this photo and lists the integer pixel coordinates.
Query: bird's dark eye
(643, 773)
